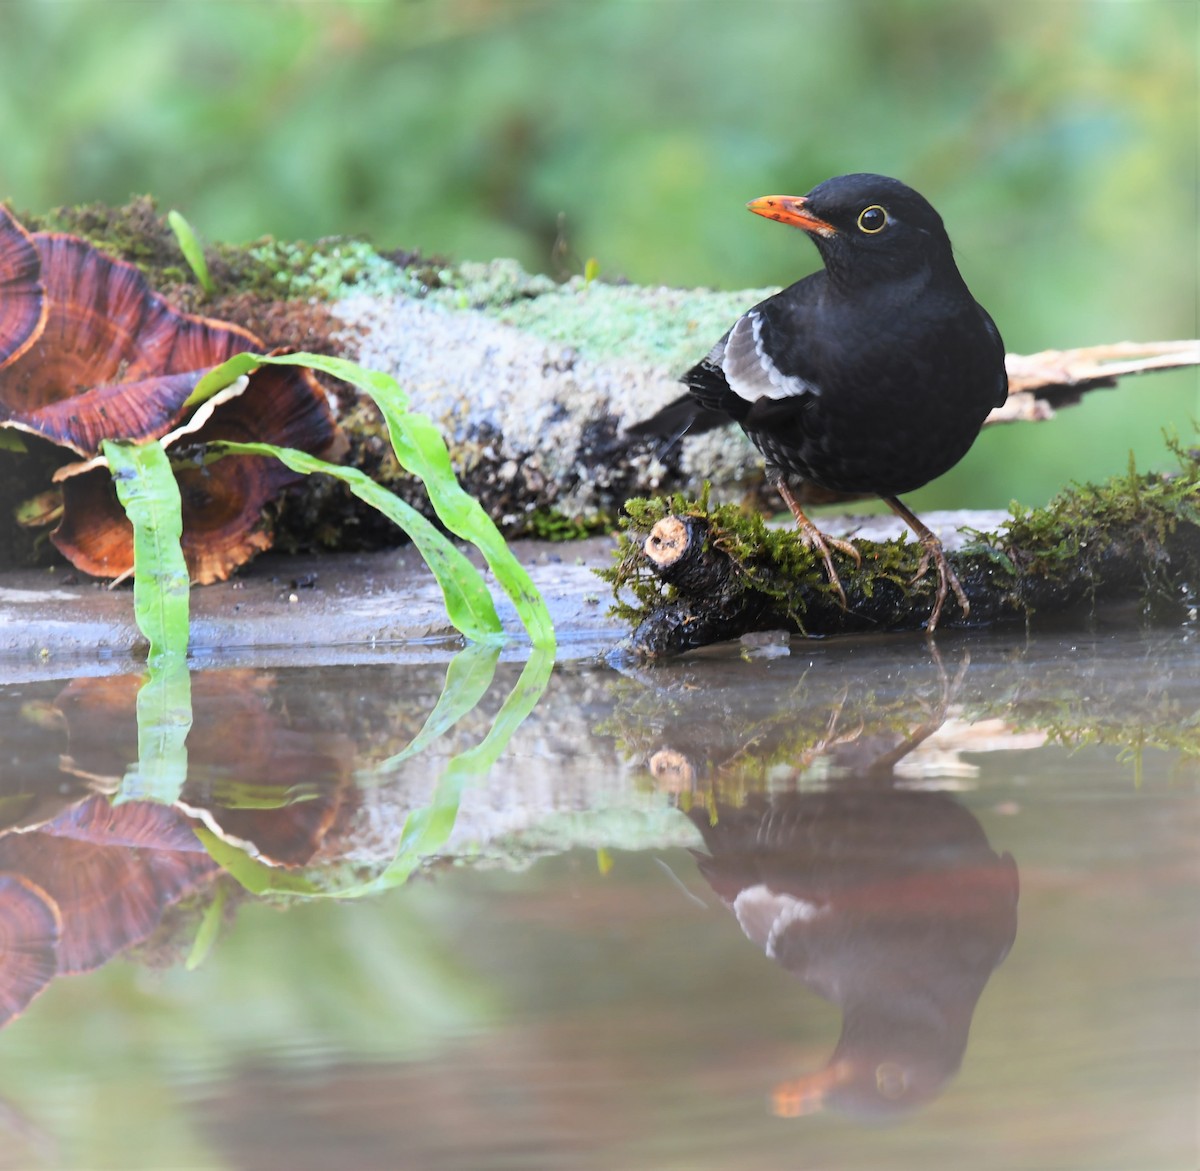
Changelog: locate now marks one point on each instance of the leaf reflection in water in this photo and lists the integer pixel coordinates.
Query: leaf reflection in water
(426, 829)
(254, 794)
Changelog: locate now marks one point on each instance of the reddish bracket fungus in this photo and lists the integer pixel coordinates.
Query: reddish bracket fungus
(222, 502)
(29, 934)
(110, 359)
(22, 298)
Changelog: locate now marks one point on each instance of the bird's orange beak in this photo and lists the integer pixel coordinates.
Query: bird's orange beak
(806, 1095)
(789, 209)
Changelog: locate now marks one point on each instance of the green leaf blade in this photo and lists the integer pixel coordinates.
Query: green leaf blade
(148, 492)
(192, 252)
(164, 719)
(469, 606)
(421, 450)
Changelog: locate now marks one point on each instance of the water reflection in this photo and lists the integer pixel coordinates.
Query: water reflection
(836, 799)
(273, 781)
(267, 788)
(888, 902)
(891, 905)
(84, 886)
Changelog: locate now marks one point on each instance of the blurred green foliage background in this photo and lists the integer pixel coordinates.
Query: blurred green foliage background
(1059, 141)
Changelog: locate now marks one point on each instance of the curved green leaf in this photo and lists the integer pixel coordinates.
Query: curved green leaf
(469, 606)
(426, 830)
(468, 677)
(420, 450)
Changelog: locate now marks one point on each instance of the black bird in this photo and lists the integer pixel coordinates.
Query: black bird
(872, 376)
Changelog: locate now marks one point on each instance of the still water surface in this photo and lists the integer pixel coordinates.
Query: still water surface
(852, 905)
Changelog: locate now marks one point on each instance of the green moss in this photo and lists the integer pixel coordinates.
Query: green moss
(551, 525)
(134, 232)
(273, 269)
(1067, 540)
(1050, 541)
(664, 327)
(493, 285)
(327, 270)
(773, 561)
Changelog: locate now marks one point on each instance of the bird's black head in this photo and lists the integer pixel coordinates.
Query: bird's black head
(866, 227)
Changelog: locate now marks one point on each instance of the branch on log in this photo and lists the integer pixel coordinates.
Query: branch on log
(1039, 384)
(701, 575)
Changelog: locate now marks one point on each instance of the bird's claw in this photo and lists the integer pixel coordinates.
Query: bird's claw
(815, 539)
(931, 550)
(847, 547)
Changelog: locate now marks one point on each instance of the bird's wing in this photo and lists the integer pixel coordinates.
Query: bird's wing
(744, 368)
(752, 364)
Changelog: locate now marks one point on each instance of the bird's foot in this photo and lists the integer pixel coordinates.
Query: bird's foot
(821, 542)
(931, 550)
(947, 580)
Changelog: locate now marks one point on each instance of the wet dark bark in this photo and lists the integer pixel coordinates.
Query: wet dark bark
(1047, 568)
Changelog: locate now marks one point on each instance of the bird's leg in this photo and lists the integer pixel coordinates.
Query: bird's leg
(815, 539)
(932, 549)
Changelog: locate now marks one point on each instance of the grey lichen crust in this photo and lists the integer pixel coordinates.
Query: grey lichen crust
(533, 383)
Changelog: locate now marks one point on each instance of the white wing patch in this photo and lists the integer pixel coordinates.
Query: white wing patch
(765, 915)
(748, 368)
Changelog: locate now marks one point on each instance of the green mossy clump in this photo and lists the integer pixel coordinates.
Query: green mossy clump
(1136, 537)
(774, 562)
(1081, 525)
(135, 232)
(551, 525)
(326, 270)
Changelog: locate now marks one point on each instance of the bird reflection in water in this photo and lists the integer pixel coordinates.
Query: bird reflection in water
(888, 902)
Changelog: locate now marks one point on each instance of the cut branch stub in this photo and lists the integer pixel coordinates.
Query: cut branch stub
(22, 297)
(679, 550)
(712, 601)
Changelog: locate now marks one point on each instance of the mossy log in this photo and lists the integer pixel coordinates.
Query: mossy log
(539, 388)
(689, 575)
(534, 383)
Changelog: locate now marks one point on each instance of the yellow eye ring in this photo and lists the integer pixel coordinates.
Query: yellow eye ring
(872, 219)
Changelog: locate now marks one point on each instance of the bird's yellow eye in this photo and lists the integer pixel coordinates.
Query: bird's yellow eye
(872, 219)
(891, 1079)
